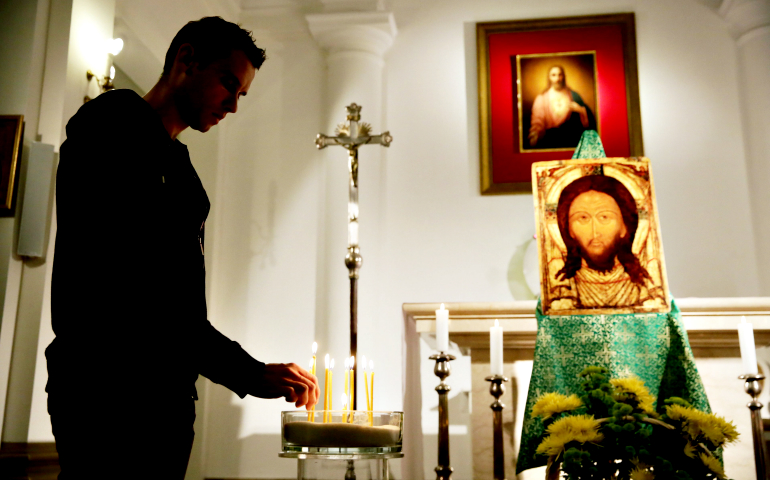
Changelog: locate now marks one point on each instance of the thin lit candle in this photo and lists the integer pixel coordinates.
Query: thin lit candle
(352, 386)
(311, 415)
(371, 389)
(371, 392)
(344, 399)
(331, 387)
(326, 385)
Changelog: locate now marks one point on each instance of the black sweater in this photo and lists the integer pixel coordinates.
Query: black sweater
(128, 292)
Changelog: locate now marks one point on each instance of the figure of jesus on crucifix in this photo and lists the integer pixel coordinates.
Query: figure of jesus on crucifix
(350, 135)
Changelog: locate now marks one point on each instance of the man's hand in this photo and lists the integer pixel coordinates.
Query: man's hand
(291, 382)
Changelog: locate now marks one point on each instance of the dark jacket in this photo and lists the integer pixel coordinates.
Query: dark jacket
(128, 300)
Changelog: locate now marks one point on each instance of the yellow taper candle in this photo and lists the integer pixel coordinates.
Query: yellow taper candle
(371, 392)
(311, 415)
(331, 389)
(352, 387)
(326, 386)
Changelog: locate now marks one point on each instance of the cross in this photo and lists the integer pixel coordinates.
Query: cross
(351, 135)
(544, 336)
(625, 335)
(564, 356)
(646, 356)
(665, 337)
(605, 355)
(584, 334)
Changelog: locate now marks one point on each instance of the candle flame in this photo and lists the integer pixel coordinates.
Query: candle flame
(315, 347)
(326, 361)
(352, 361)
(364, 362)
(371, 365)
(497, 324)
(347, 364)
(743, 319)
(344, 399)
(331, 365)
(442, 307)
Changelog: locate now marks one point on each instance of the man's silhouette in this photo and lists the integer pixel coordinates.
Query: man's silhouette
(128, 297)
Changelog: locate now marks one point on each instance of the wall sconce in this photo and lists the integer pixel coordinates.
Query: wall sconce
(114, 47)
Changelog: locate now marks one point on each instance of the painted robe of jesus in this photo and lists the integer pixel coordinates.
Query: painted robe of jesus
(559, 115)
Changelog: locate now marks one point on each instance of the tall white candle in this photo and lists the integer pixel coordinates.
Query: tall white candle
(748, 349)
(442, 329)
(496, 349)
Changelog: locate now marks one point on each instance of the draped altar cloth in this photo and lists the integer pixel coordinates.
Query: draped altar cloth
(651, 346)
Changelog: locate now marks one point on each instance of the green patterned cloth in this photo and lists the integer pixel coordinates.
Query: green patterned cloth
(589, 146)
(651, 346)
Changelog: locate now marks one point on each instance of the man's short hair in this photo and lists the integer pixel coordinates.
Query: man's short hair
(213, 38)
(628, 210)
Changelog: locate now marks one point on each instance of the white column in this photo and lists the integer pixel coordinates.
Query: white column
(355, 44)
(749, 23)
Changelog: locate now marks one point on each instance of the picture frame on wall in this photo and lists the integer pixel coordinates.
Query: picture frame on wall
(542, 82)
(11, 129)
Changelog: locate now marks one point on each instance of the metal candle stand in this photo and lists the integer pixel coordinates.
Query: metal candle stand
(497, 389)
(442, 370)
(754, 388)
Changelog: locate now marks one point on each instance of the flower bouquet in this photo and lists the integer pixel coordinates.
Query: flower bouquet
(612, 431)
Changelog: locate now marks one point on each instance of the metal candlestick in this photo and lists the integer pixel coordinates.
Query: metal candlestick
(497, 389)
(442, 370)
(351, 135)
(754, 388)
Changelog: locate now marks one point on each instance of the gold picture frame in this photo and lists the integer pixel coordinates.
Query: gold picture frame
(11, 131)
(505, 166)
(593, 261)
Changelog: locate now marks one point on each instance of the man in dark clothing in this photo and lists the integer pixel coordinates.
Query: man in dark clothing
(128, 297)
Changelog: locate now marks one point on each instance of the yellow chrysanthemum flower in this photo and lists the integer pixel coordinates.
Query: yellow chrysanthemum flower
(712, 464)
(634, 386)
(552, 403)
(577, 428)
(641, 474)
(715, 429)
(689, 450)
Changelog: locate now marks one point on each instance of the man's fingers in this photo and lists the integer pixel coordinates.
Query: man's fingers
(300, 392)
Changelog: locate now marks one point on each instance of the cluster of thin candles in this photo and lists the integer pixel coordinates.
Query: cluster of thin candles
(348, 397)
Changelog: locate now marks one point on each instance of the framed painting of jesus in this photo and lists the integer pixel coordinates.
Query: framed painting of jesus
(543, 82)
(598, 237)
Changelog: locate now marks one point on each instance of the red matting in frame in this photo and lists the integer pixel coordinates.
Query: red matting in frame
(513, 166)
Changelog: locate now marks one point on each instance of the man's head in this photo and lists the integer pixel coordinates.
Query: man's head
(556, 77)
(597, 218)
(209, 66)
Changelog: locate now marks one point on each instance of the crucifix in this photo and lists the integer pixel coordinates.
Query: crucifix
(350, 135)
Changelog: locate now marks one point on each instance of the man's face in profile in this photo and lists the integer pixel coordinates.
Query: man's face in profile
(209, 93)
(556, 78)
(596, 223)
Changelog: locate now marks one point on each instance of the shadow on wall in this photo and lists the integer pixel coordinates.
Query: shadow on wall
(523, 271)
